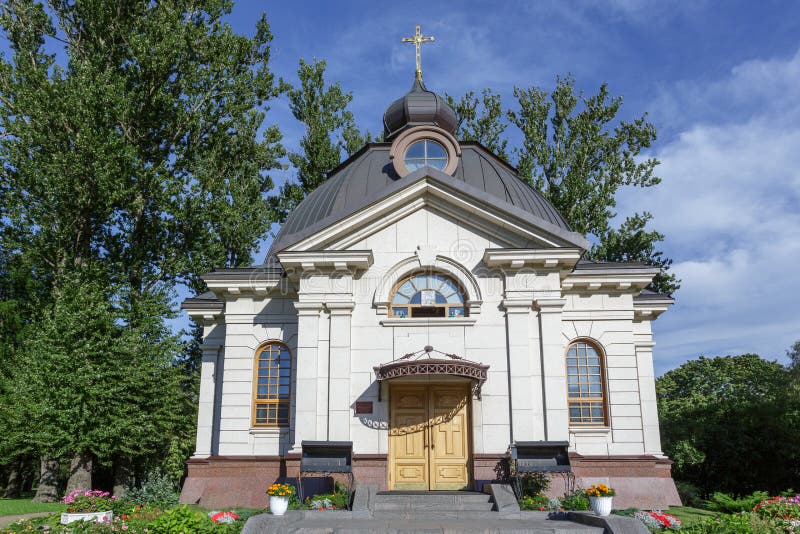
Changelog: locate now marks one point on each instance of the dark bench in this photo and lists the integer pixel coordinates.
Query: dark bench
(539, 457)
(326, 458)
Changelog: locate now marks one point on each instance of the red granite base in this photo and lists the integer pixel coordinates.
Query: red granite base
(487, 468)
(229, 481)
(643, 482)
(242, 481)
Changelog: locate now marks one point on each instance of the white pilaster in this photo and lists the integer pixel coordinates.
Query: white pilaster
(305, 390)
(207, 395)
(553, 368)
(524, 372)
(647, 396)
(339, 370)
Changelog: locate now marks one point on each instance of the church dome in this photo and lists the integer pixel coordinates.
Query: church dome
(418, 107)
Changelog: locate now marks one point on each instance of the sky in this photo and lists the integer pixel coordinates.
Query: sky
(720, 81)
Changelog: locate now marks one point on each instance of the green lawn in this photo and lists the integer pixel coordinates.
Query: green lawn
(27, 506)
(689, 516)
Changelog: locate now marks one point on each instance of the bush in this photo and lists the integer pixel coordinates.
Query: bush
(782, 508)
(689, 494)
(338, 500)
(534, 502)
(157, 489)
(743, 523)
(534, 483)
(726, 503)
(180, 519)
(577, 500)
(81, 500)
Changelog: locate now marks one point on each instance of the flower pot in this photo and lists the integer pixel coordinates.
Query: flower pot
(601, 505)
(99, 517)
(278, 504)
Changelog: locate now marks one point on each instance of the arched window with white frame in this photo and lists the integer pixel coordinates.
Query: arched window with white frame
(586, 396)
(427, 294)
(272, 385)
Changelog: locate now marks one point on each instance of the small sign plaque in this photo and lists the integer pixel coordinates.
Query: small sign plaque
(363, 407)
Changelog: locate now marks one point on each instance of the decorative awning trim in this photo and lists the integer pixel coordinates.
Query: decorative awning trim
(422, 363)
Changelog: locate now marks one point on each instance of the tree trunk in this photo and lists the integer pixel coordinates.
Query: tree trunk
(47, 491)
(122, 476)
(14, 485)
(80, 472)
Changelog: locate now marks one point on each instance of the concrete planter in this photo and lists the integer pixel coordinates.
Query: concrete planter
(601, 505)
(98, 517)
(278, 505)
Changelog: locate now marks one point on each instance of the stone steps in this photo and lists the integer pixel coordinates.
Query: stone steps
(429, 504)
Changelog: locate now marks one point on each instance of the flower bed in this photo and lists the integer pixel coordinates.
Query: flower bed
(140, 519)
(657, 520)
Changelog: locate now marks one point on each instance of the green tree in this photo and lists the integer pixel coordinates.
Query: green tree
(140, 163)
(794, 356)
(715, 414)
(578, 154)
(632, 242)
(329, 131)
(481, 120)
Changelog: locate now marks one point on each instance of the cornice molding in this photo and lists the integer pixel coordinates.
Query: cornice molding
(650, 310)
(327, 260)
(632, 282)
(563, 259)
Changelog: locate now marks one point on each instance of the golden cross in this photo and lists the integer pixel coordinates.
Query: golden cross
(418, 39)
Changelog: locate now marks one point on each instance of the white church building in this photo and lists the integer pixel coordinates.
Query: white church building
(430, 307)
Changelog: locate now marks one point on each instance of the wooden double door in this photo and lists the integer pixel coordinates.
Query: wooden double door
(429, 437)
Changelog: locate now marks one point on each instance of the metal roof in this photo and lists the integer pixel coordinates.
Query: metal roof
(369, 176)
(418, 106)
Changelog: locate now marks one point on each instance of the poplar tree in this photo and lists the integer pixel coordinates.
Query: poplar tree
(137, 163)
(481, 120)
(576, 151)
(329, 131)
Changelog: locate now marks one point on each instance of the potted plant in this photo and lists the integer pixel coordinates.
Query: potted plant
(83, 505)
(600, 496)
(279, 498)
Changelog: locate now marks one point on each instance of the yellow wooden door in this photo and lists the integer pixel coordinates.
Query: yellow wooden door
(408, 436)
(429, 438)
(449, 451)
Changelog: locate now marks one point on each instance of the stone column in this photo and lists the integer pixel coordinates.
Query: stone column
(305, 390)
(553, 368)
(207, 395)
(647, 396)
(339, 370)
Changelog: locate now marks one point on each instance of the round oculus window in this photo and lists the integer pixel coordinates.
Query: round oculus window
(425, 152)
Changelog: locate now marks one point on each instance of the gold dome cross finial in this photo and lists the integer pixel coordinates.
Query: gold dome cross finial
(418, 39)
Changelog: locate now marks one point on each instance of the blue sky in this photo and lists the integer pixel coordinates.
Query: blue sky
(721, 82)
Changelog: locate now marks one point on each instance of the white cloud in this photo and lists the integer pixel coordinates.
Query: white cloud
(729, 205)
(753, 89)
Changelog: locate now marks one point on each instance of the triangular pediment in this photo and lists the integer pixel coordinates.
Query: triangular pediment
(433, 190)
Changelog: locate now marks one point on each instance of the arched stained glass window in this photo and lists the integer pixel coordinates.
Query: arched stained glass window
(428, 295)
(585, 385)
(273, 377)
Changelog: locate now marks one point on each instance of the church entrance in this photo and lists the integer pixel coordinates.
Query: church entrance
(429, 443)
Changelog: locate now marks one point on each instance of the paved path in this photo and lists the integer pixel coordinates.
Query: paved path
(337, 522)
(8, 519)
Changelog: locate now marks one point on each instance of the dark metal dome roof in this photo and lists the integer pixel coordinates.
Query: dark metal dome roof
(369, 176)
(419, 106)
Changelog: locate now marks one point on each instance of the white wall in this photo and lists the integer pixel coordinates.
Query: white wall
(346, 344)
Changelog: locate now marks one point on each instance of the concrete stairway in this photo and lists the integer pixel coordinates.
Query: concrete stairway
(432, 505)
